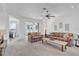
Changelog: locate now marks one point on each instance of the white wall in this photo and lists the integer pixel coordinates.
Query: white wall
(4, 21)
(69, 16)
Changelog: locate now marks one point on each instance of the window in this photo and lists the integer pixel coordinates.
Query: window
(31, 27)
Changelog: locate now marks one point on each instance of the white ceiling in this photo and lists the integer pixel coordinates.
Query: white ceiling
(35, 11)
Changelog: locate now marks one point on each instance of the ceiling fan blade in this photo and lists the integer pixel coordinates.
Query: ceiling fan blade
(44, 8)
(47, 16)
(52, 16)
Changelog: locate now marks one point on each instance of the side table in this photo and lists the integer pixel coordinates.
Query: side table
(76, 41)
(45, 39)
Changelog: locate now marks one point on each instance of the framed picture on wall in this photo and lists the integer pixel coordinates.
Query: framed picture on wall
(66, 27)
(60, 25)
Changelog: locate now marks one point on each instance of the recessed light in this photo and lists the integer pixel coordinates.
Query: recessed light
(72, 6)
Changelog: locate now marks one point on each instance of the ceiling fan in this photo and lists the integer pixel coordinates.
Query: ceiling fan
(47, 15)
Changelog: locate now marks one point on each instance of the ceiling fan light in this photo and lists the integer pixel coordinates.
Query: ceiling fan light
(47, 15)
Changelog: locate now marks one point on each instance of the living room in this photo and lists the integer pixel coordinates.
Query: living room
(45, 20)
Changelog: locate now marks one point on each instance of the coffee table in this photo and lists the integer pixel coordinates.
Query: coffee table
(62, 43)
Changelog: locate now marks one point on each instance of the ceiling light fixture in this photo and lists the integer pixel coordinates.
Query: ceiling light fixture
(72, 6)
(48, 15)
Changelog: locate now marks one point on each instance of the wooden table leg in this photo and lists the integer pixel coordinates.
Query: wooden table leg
(65, 47)
(0, 51)
(62, 48)
(42, 42)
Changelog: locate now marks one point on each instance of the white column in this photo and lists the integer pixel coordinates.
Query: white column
(21, 29)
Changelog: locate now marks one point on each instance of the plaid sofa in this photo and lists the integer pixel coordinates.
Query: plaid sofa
(67, 37)
(34, 37)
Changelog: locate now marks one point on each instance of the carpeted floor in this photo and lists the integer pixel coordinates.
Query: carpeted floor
(25, 48)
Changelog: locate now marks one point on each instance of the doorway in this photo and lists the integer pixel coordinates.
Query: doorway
(12, 29)
(13, 24)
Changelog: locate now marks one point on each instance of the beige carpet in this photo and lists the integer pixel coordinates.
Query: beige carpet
(25, 48)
